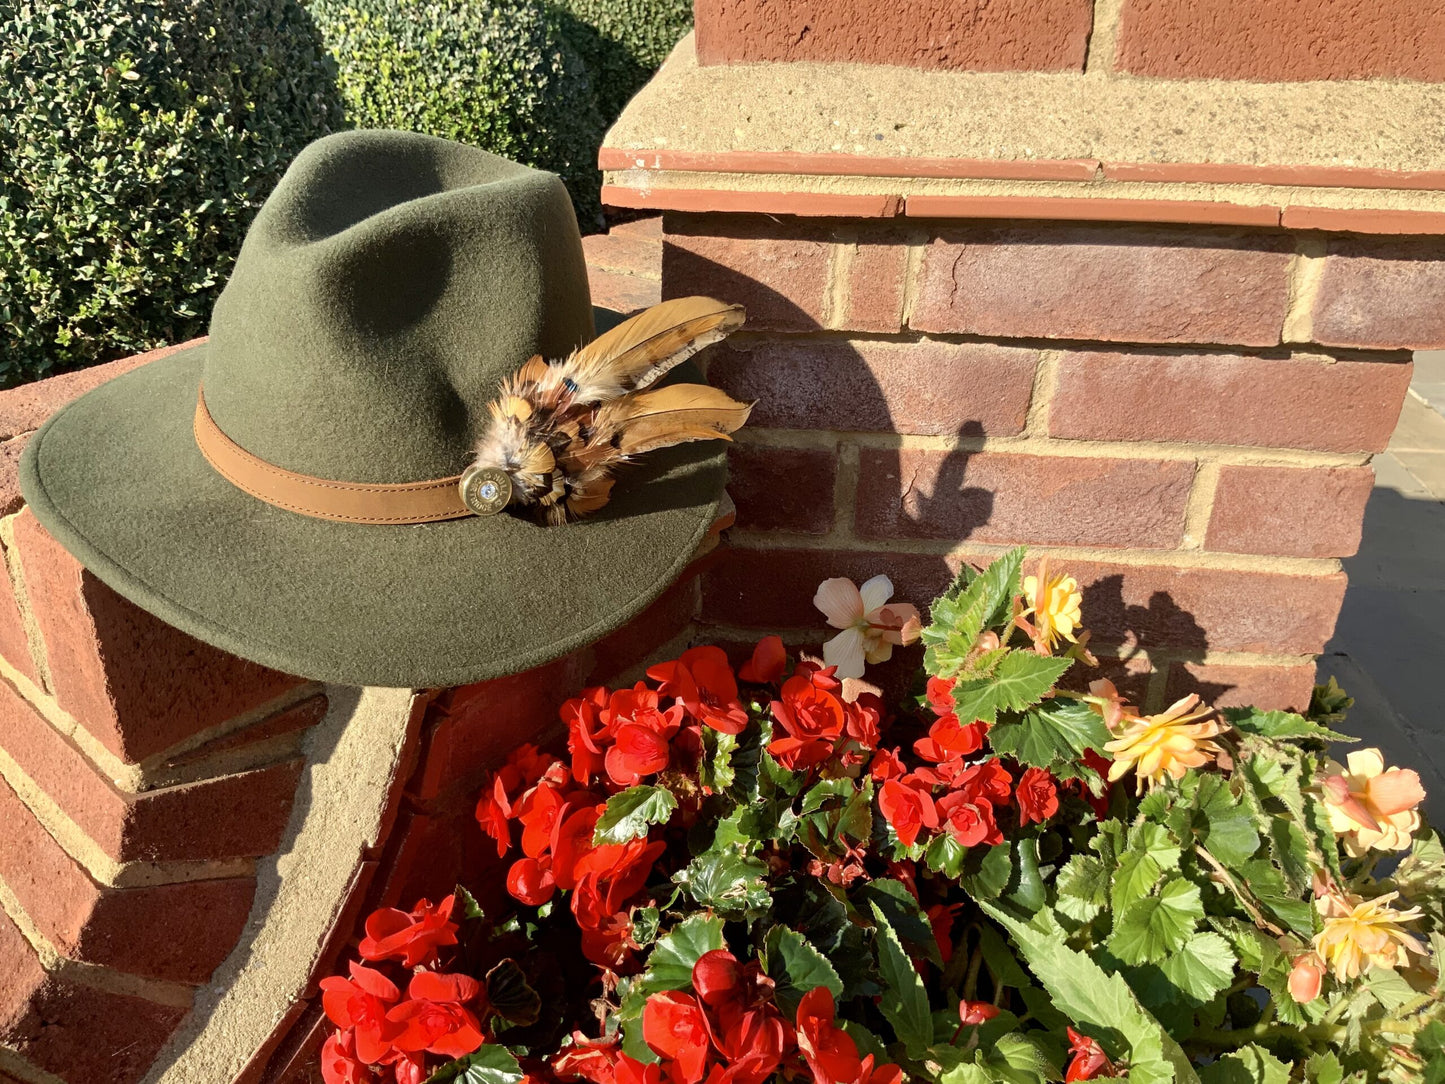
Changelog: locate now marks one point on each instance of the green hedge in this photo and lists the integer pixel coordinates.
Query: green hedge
(137, 138)
(623, 42)
(497, 74)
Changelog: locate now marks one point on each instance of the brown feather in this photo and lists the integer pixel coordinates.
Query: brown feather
(639, 351)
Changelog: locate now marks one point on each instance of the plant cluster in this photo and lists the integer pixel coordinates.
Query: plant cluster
(139, 139)
(771, 873)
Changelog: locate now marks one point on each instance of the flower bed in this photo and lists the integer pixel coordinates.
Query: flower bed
(772, 873)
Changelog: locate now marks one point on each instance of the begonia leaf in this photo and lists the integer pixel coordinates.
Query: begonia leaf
(669, 967)
(976, 601)
(1247, 1065)
(1052, 735)
(630, 813)
(797, 967)
(715, 770)
(1021, 680)
(902, 913)
(1151, 851)
(728, 881)
(904, 1001)
(1201, 967)
(492, 1064)
(1083, 888)
(1148, 929)
(1281, 726)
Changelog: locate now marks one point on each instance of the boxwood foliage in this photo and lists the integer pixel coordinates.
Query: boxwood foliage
(137, 139)
(622, 42)
(498, 74)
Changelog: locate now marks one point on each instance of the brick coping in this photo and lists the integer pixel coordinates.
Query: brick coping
(852, 140)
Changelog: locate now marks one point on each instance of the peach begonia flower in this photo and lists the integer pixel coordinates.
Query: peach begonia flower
(871, 627)
(1306, 976)
(1055, 604)
(1169, 743)
(1359, 934)
(1371, 807)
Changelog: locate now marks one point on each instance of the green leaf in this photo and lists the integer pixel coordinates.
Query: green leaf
(1053, 735)
(987, 871)
(1280, 726)
(1248, 1065)
(629, 814)
(492, 1064)
(728, 881)
(1324, 1067)
(669, 967)
(797, 967)
(1103, 1003)
(1229, 823)
(1020, 681)
(972, 604)
(1147, 930)
(715, 770)
(825, 790)
(1152, 850)
(945, 855)
(469, 908)
(1201, 967)
(902, 913)
(904, 1002)
(1329, 703)
(1083, 887)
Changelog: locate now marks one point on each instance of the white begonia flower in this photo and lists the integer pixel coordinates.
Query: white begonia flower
(871, 627)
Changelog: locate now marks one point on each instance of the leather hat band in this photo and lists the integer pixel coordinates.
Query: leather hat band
(348, 502)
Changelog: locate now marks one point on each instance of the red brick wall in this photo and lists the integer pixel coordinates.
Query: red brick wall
(1177, 413)
(1261, 40)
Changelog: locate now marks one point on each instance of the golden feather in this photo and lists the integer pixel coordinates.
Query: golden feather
(559, 429)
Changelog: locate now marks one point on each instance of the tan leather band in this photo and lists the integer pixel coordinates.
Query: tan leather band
(348, 502)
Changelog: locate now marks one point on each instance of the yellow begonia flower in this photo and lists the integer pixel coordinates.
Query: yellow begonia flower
(1054, 601)
(1360, 934)
(1371, 807)
(1169, 743)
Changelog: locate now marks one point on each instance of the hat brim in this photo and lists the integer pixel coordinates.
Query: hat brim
(116, 477)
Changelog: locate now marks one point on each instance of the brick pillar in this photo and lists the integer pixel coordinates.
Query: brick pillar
(142, 775)
(1082, 312)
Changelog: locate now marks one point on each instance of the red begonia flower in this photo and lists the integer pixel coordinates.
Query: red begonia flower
(530, 880)
(948, 740)
(674, 1026)
(969, 819)
(813, 719)
(976, 1012)
(573, 840)
(886, 765)
(494, 808)
(436, 1017)
(868, 1073)
(587, 734)
(768, 662)
(1089, 1060)
(940, 917)
(639, 751)
(940, 695)
(408, 1067)
(818, 675)
(607, 878)
(631, 1071)
(339, 1063)
(610, 943)
(987, 781)
(829, 1050)
(589, 1059)
(704, 682)
(864, 720)
(411, 938)
(908, 807)
(717, 977)
(1037, 795)
(538, 811)
(361, 1003)
(752, 1042)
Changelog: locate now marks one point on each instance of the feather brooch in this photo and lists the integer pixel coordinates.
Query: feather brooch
(559, 429)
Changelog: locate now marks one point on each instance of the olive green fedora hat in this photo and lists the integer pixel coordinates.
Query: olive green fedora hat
(382, 294)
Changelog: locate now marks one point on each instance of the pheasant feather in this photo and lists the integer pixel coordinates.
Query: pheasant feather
(559, 429)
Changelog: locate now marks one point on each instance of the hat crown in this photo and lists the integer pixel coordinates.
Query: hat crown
(383, 292)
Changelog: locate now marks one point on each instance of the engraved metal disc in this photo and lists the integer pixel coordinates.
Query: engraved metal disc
(485, 490)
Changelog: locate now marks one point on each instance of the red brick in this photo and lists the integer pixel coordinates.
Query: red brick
(1286, 402)
(874, 298)
(23, 409)
(1289, 511)
(1000, 498)
(173, 931)
(300, 716)
(1119, 284)
(14, 643)
(133, 681)
(1188, 609)
(474, 727)
(240, 815)
(624, 254)
(962, 35)
(777, 270)
(1382, 294)
(1151, 606)
(647, 226)
(782, 489)
(966, 389)
(1230, 686)
(1270, 41)
(433, 853)
(77, 1032)
(622, 293)
(10, 496)
(640, 638)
